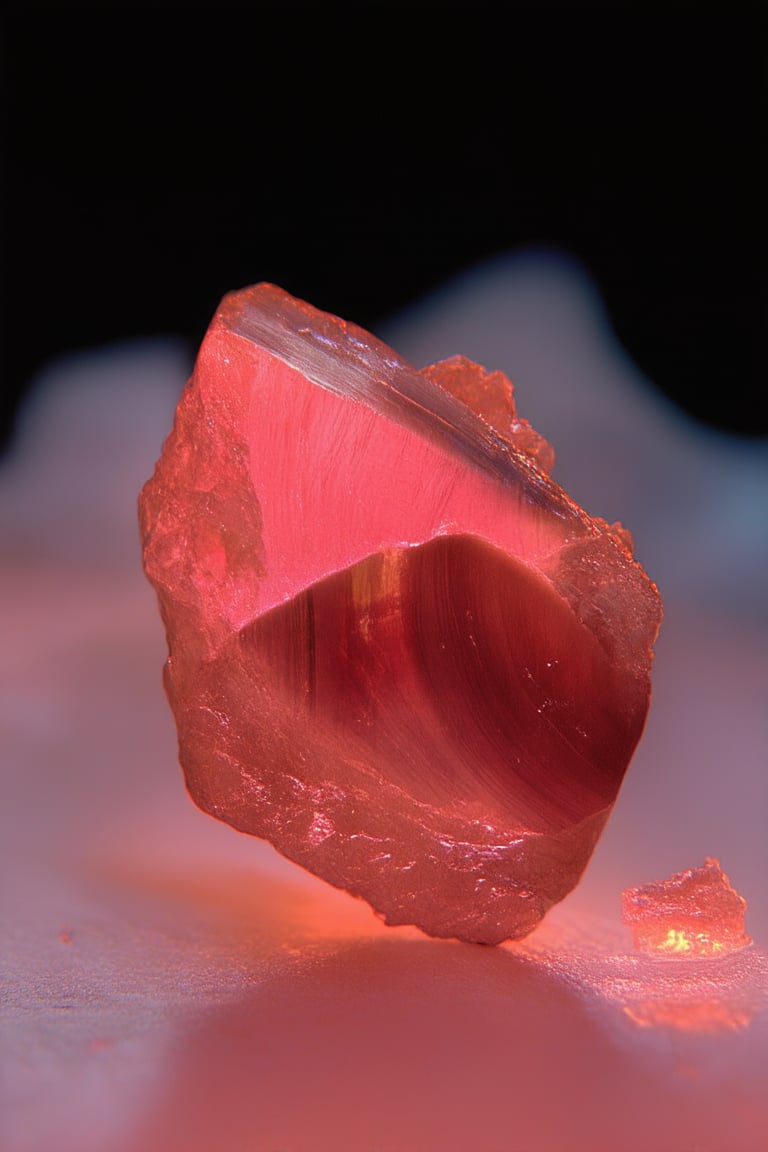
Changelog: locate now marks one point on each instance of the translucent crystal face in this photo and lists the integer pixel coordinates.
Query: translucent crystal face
(460, 676)
(398, 650)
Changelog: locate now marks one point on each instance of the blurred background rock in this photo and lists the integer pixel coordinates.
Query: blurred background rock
(156, 156)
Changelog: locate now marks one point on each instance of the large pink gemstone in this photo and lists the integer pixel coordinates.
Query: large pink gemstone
(398, 650)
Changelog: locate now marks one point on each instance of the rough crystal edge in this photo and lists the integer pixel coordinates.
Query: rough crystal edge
(492, 872)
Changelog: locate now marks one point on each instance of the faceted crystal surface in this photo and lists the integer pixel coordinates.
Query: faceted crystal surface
(397, 650)
(693, 913)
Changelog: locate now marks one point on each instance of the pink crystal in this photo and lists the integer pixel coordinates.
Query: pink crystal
(693, 913)
(398, 650)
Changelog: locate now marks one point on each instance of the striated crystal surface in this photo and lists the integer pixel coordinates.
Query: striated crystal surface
(397, 649)
(693, 913)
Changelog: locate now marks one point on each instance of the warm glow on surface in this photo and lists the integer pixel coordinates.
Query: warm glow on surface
(706, 1015)
(678, 941)
(675, 941)
(705, 987)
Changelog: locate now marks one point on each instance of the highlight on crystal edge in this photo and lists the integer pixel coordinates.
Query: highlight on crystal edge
(397, 650)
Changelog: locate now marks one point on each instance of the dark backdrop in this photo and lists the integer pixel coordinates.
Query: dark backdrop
(156, 157)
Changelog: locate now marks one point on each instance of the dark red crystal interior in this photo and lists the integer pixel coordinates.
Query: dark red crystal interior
(466, 678)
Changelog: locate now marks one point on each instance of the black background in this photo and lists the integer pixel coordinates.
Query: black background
(157, 156)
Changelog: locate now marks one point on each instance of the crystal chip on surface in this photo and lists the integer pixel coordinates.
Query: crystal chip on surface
(693, 913)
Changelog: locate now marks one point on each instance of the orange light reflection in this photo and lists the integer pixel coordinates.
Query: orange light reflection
(706, 1015)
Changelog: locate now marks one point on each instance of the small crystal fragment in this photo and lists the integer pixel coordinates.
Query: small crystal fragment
(693, 913)
(397, 649)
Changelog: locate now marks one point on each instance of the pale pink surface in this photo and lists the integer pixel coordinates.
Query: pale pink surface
(170, 985)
